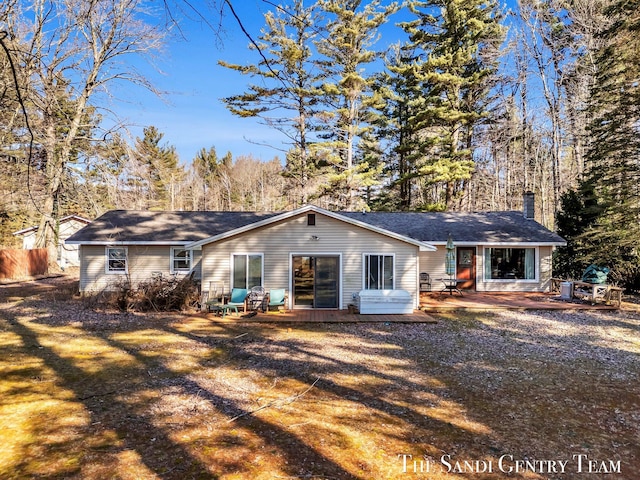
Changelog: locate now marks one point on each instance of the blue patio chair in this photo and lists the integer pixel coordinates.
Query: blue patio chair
(238, 297)
(277, 298)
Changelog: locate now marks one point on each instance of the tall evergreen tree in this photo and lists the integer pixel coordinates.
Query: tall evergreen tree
(205, 165)
(347, 49)
(164, 173)
(613, 156)
(286, 95)
(455, 44)
(401, 94)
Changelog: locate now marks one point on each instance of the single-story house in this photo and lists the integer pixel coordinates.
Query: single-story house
(322, 258)
(67, 253)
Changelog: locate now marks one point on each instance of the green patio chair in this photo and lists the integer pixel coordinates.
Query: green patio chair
(277, 298)
(238, 297)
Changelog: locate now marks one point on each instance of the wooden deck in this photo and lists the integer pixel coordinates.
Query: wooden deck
(429, 303)
(321, 316)
(470, 300)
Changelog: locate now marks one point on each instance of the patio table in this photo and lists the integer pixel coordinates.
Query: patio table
(450, 285)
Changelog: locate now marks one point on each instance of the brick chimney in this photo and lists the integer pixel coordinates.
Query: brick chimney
(529, 205)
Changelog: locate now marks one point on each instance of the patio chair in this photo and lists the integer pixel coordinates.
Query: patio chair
(277, 299)
(256, 298)
(238, 298)
(213, 297)
(425, 282)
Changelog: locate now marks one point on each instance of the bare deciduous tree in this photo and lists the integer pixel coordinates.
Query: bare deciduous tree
(71, 51)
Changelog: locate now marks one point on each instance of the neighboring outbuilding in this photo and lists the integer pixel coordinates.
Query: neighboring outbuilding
(322, 258)
(67, 254)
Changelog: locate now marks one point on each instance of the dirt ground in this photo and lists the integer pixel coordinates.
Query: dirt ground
(94, 394)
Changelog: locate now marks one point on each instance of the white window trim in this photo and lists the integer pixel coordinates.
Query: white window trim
(106, 261)
(172, 264)
(317, 254)
(247, 255)
(379, 254)
(512, 280)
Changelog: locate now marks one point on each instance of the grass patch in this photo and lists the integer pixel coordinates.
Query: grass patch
(87, 395)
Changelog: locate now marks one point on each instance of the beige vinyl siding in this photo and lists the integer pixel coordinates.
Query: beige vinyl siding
(142, 263)
(543, 270)
(279, 241)
(433, 263)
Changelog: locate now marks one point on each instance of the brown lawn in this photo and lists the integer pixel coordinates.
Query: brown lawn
(525, 395)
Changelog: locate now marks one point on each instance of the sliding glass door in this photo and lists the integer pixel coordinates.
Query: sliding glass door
(316, 281)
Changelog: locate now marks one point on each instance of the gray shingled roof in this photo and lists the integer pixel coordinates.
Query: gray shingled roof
(480, 227)
(183, 227)
(162, 227)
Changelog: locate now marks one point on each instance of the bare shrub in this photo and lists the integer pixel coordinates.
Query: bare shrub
(160, 293)
(166, 294)
(118, 294)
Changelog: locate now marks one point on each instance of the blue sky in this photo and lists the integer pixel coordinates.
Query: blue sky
(190, 114)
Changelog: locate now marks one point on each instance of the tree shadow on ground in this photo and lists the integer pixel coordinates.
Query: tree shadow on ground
(461, 387)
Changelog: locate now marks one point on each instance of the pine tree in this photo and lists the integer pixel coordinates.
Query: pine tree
(401, 98)
(163, 171)
(454, 45)
(613, 156)
(346, 46)
(286, 94)
(205, 166)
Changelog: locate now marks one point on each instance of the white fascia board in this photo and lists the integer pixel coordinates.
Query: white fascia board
(25, 230)
(523, 244)
(173, 244)
(312, 208)
(501, 244)
(75, 217)
(62, 220)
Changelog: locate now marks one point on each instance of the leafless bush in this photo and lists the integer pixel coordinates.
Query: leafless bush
(166, 294)
(160, 294)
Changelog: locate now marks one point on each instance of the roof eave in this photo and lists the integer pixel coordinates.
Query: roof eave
(62, 220)
(523, 244)
(109, 243)
(425, 247)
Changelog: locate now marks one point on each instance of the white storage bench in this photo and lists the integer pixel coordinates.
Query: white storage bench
(385, 302)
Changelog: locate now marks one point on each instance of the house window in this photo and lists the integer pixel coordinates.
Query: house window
(180, 260)
(378, 272)
(510, 263)
(247, 270)
(311, 219)
(116, 259)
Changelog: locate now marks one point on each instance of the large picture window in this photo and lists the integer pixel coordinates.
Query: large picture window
(180, 260)
(510, 263)
(378, 272)
(116, 259)
(247, 270)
